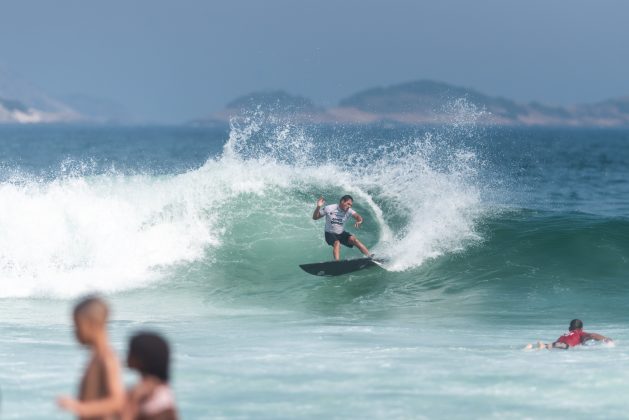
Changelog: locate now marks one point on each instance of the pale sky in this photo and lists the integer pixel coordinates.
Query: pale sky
(172, 61)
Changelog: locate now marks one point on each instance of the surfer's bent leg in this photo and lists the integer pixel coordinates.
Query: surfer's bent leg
(354, 241)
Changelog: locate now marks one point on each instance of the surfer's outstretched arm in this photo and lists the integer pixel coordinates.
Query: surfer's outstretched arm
(316, 215)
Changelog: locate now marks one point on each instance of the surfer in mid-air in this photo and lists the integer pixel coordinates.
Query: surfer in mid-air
(335, 217)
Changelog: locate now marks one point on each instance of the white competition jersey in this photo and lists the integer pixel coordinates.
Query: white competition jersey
(335, 218)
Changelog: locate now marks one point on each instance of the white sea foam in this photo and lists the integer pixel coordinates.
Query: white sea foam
(104, 233)
(441, 203)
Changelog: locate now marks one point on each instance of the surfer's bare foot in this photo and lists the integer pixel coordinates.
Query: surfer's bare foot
(528, 347)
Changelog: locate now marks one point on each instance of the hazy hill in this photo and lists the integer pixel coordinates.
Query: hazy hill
(278, 101)
(612, 112)
(422, 96)
(427, 102)
(22, 102)
(272, 103)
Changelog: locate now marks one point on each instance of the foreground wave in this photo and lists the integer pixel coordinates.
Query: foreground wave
(243, 217)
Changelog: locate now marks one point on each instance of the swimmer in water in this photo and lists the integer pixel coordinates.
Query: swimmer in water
(101, 394)
(151, 398)
(574, 337)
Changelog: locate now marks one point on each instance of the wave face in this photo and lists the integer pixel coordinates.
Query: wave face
(80, 229)
(453, 209)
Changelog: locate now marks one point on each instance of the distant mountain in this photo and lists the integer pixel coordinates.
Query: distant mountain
(278, 101)
(16, 112)
(427, 102)
(612, 113)
(13, 111)
(22, 102)
(421, 96)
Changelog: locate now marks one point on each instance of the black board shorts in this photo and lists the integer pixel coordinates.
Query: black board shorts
(343, 238)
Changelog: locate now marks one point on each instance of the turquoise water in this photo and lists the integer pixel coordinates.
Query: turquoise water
(495, 238)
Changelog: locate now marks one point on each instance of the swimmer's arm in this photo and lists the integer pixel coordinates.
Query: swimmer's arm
(359, 220)
(131, 406)
(130, 409)
(595, 336)
(316, 215)
(104, 406)
(139, 392)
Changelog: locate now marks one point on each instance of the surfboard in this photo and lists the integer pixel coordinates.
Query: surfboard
(338, 268)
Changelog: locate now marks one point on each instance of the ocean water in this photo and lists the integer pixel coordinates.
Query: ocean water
(494, 237)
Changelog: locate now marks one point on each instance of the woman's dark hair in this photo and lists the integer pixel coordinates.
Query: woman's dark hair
(149, 353)
(575, 324)
(346, 197)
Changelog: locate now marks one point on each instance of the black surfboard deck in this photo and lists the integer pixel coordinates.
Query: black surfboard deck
(338, 268)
